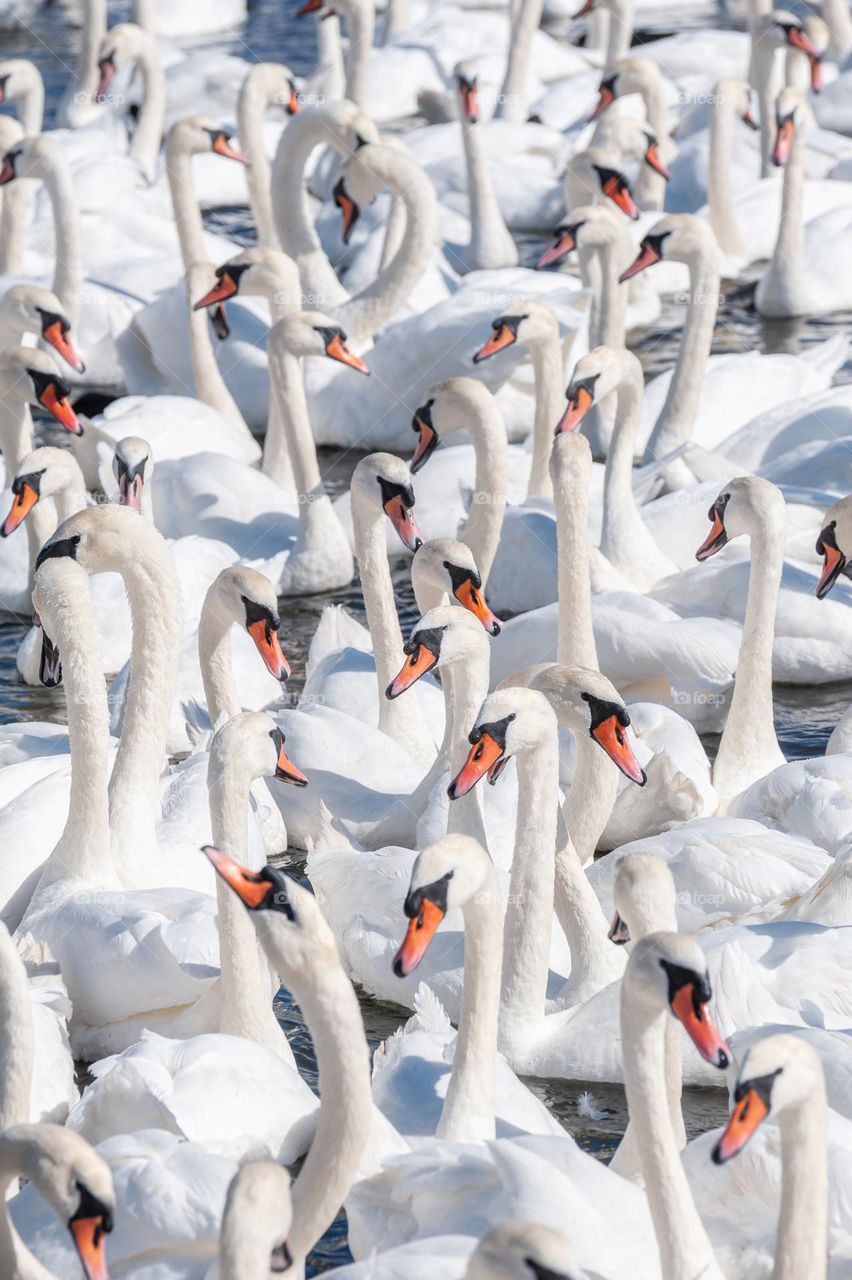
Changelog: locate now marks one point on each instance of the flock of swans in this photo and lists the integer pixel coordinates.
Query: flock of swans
(453, 789)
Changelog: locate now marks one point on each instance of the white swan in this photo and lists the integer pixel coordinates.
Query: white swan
(491, 245)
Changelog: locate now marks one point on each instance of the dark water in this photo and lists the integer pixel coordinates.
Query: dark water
(804, 717)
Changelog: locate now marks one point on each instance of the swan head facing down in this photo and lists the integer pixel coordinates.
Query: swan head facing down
(30, 376)
(511, 722)
(596, 175)
(74, 1180)
(133, 468)
(34, 158)
(629, 75)
(746, 506)
(257, 272)
(363, 176)
(256, 1221)
(834, 544)
(381, 483)
(644, 898)
(589, 226)
(446, 874)
(195, 135)
(277, 85)
(43, 473)
(252, 743)
(313, 333)
(668, 971)
(244, 597)
(790, 117)
(529, 323)
(37, 310)
(809, 39)
(595, 376)
(589, 704)
(523, 1251)
(450, 407)
(123, 44)
(779, 1071)
(446, 567)
(678, 237)
(442, 636)
(465, 78)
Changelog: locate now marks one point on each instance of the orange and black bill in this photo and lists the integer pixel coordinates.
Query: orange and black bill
(565, 243)
(293, 102)
(427, 437)
(336, 349)
(226, 286)
(420, 660)
(580, 400)
(55, 330)
(690, 1004)
(752, 1104)
(90, 1240)
(26, 496)
(53, 396)
(265, 637)
(654, 159)
(310, 6)
(784, 136)
(399, 511)
(616, 188)
(254, 888)
(483, 756)
(834, 561)
(470, 596)
(348, 208)
(502, 337)
(649, 253)
(222, 145)
(716, 538)
(611, 734)
(285, 770)
(618, 931)
(422, 928)
(606, 97)
(817, 78)
(7, 172)
(106, 72)
(469, 100)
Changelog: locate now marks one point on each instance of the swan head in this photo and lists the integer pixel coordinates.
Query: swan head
(312, 333)
(446, 874)
(256, 272)
(364, 175)
(598, 171)
(75, 1181)
(630, 75)
(288, 919)
(678, 237)
(633, 140)
(31, 158)
(746, 506)
(257, 1219)
(42, 474)
(450, 407)
(381, 482)
(668, 970)
(464, 75)
(523, 1251)
(442, 636)
(790, 115)
(512, 721)
(736, 95)
(105, 539)
(589, 704)
(17, 77)
(244, 597)
(809, 38)
(133, 468)
(253, 744)
(123, 44)
(277, 84)
(528, 322)
(589, 226)
(595, 376)
(834, 544)
(644, 898)
(196, 135)
(446, 567)
(30, 376)
(778, 1071)
(38, 310)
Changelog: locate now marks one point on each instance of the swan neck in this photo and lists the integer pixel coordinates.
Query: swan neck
(214, 659)
(209, 384)
(484, 523)
(787, 263)
(513, 100)
(722, 217)
(547, 367)
(801, 1247)
(590, 799)
(145, 144)
(360, 23)
(251, 107)
(16, 432)
(187, 213)
(576, 637)
(68, 270)
(16, 1036)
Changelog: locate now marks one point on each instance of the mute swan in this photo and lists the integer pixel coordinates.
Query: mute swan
(642, 77)
(491, 245)
(199, 1087)
(26, 309)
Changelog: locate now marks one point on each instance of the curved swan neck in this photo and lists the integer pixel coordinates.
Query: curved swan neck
(571, 479)
(593, 962)
(547, 367)
(527, 925)
(468, 1111)
(685, 1249)
(187, 212)
(491, 245)
(590, 799)
(292, 448)
(722, 217)
(513, 100)
(801, 1245)
(145, 143)
(257, 92)
(677, 416)
(156, 609)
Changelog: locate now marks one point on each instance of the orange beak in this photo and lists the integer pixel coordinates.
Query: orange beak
(797, 39)
(427, 443)
(652, 158)
(745, 1119)
(470, 103)
(222, 147)
(612, 736)
(21, 507)
(293, 104)
(817, 81)
(617, 190)
(421, 661)
(578, 407)
(402, 519)
(647, 257)
(481, 758)
(715, 539)
(473, 600)
(566, 241)
(107, 71)
(606, 98)
(57, 336)
(349, 212)
(285, 770)
(338, 351)
(247, 885)
(7, 173)
(269, 647)
(698, 1023)
(310, 6)
(501, 338)
(226, 287)
(420, 932)
(783, 142)
(618, 931)
(60, 408)
(833, 566)
(90, 1239)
